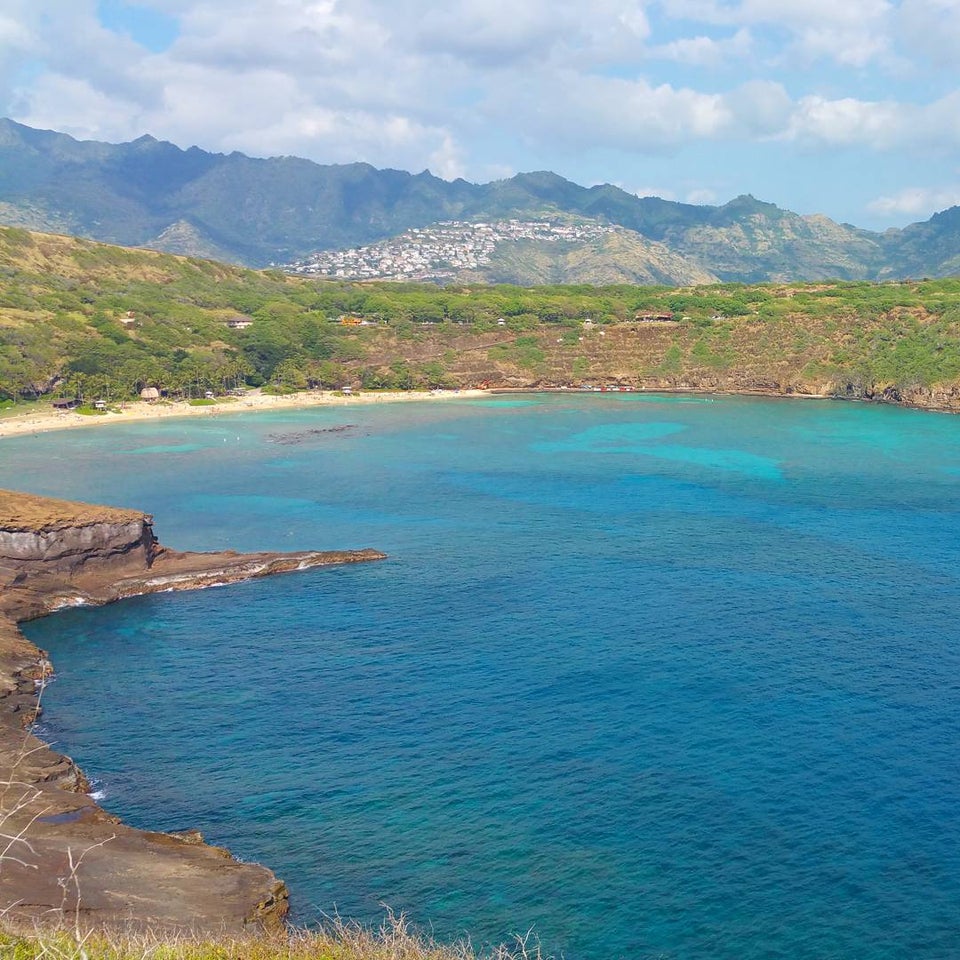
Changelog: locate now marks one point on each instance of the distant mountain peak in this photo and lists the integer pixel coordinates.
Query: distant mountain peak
(949, 216)
(747, 202)
(261, 211)
(543, 177)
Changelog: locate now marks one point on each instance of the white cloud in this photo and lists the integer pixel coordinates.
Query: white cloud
(930, 29)
(761, 107)
(701, 51)
(14, 34)
(878, 125)
(852, 47)
(69, 42)
(20, 40)
(490, 34)
(309, 38)
(447, 160)
(849, 32)
(846, 122)
(347, 136)
(920, 202)
(578, 110)
(498, 33)
(633, 115)
(72, 105)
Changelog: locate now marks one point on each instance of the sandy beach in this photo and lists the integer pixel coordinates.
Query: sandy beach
(44, 420)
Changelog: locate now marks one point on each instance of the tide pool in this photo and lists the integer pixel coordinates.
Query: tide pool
(652, 677)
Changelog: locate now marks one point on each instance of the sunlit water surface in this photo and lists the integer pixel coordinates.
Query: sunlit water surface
(653, 676)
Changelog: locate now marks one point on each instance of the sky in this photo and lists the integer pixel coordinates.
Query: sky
(849, 108)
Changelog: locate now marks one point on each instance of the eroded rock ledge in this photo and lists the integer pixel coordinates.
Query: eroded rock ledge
(69, 860)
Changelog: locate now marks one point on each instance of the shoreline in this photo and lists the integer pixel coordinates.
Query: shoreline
(48, 420)
(140, 411)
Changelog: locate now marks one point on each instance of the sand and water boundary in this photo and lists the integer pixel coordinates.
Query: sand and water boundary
(45, 419)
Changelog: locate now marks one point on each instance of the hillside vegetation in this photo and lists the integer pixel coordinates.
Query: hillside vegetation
(82, 319)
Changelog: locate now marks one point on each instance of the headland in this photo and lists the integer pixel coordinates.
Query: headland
(64, 858)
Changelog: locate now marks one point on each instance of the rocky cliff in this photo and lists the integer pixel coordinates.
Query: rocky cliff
(39, 535)
(65, 858)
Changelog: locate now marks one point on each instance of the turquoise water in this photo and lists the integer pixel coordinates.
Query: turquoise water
(654, 676)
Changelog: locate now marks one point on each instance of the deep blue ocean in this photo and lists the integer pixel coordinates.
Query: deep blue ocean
(651, 676)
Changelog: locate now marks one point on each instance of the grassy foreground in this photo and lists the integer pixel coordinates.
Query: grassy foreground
(336, 940)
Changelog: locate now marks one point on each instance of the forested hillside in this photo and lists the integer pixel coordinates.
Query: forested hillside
(79, 318)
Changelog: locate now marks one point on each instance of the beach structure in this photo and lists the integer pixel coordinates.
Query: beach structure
(150, 394)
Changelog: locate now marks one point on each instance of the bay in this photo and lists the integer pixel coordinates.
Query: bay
(653, 676)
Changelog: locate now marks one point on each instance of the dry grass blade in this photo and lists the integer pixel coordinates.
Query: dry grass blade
(337, 939)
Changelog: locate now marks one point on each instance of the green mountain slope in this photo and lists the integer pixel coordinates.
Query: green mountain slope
(617, 257)
(929, 249)
(261, 211)
(749, 241)
(102, 322)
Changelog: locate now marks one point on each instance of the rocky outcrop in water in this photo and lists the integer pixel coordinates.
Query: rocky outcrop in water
(69, 860)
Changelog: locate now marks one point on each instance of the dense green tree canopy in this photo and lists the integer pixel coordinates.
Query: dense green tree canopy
(79, 318)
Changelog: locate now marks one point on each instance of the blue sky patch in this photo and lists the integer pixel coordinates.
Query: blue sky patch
(150, 28)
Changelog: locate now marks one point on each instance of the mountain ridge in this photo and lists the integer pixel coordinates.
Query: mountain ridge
(263, 211)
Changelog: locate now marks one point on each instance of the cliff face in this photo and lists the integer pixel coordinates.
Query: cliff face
(55, 553)
(66, 549)
(59, 537)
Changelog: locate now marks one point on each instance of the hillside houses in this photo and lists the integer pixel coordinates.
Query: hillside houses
(441, 251)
